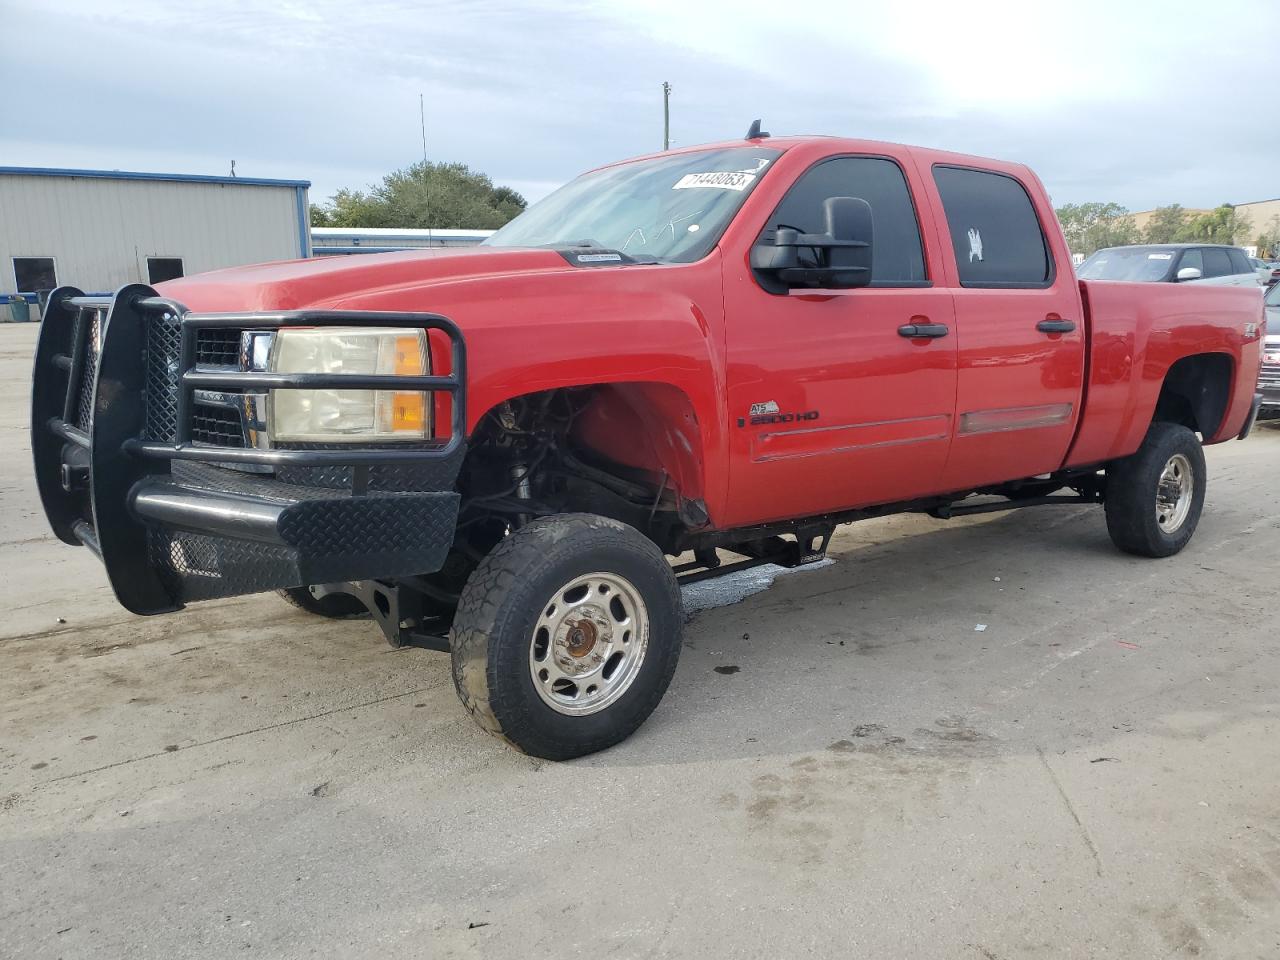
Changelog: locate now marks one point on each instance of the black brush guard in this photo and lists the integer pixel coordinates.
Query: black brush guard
(118, 471)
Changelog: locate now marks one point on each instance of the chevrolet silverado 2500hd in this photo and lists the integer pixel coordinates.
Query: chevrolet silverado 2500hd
(730, 348)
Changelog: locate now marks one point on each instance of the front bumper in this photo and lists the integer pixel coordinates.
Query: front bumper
(175, 519)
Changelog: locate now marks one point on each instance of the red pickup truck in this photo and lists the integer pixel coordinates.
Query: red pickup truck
(724, 349)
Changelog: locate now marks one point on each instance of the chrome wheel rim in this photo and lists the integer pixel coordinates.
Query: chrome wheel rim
(1174, 492)
(588, 644)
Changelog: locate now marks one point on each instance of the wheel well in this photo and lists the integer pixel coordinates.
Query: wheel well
(630, 451)
(1195, 393)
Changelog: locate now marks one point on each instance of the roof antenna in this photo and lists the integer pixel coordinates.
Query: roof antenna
(754, 132)
(233, 168)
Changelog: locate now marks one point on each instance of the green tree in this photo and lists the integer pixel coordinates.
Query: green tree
(1220, 225)
(1092, 226)
(438, 195)
(1165, 223)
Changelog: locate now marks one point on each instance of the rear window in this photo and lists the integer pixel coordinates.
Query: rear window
(1217, 263)
(1239, 262)
(994, 229)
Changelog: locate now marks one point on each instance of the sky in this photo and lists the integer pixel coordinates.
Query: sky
(1140, 103)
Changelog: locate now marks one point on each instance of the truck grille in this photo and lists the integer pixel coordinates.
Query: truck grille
(219, 347)
(213, 424)
(218, 425)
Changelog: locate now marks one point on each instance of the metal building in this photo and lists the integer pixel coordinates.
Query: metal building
(101, 229)
(338, 241)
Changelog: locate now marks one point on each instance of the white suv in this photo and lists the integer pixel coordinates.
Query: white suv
(1172, 263)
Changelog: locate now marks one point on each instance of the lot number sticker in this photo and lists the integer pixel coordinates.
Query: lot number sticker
(729, 180)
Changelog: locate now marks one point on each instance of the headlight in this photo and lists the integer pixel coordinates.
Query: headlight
(337, 416)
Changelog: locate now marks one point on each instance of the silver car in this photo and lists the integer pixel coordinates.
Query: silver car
(1269, 374)
(1172, 263)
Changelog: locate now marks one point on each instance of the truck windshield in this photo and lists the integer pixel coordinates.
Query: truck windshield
(672, 208)
(1127, 263)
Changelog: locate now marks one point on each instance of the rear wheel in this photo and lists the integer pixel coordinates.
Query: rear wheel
(567, 635)
(1154, 497)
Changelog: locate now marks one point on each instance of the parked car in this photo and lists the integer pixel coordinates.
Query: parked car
(1269, 373)
(1202, 263)
(1268, 273)
(760, 340)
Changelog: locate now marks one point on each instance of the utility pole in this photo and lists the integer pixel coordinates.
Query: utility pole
(426, 171)
(666, 115)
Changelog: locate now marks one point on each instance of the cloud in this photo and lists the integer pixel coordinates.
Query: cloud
(1141, 103)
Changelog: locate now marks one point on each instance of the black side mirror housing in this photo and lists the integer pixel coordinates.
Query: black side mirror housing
(837, 259)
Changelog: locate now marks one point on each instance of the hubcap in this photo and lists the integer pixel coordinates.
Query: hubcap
(589, 643)
(1174, 492)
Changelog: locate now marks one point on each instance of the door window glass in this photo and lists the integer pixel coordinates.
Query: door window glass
(897, 256)
(994, 229)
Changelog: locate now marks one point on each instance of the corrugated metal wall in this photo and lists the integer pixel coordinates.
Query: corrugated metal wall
(102, 230)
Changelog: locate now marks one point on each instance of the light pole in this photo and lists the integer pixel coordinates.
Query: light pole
(666, 115)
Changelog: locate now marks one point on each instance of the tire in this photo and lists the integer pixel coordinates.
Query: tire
(335, 606)
(575, 592)
(1141, 518)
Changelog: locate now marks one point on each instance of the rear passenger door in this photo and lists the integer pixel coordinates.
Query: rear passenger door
(1019, 330)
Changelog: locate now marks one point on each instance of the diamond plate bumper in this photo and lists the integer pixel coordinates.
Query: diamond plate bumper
(172, 520)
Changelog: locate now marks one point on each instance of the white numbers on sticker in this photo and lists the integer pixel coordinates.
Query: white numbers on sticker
(728, 180)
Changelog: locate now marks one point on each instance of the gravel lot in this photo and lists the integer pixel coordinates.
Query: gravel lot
(1094, 775)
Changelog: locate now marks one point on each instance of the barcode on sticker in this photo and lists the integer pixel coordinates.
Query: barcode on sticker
(729, 180)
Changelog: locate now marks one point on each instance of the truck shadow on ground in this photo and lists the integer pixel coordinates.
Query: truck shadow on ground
(936, 638)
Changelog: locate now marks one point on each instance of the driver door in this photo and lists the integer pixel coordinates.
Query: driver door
(833, 403)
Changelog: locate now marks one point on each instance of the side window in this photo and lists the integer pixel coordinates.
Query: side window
(1239, 262)
(897, 256)
(1192, 258)
(994, 229)
(1217, 263)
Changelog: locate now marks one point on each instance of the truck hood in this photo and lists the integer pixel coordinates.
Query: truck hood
(333, 282)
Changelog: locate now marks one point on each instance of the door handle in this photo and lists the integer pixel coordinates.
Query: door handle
(917, 331)
(1056, 326)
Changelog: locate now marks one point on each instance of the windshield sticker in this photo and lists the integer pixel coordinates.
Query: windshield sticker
(728, 180)
(975, 245)
(599, 257)
(1159, 256)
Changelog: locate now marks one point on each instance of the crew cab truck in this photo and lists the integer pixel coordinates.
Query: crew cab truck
(726, 349)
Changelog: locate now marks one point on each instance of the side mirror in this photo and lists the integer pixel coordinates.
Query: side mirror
(837, 259)
(1189, 273)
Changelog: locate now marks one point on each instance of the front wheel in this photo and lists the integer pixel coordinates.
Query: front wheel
(332, 606)
(1155, 496)
(567, 635)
